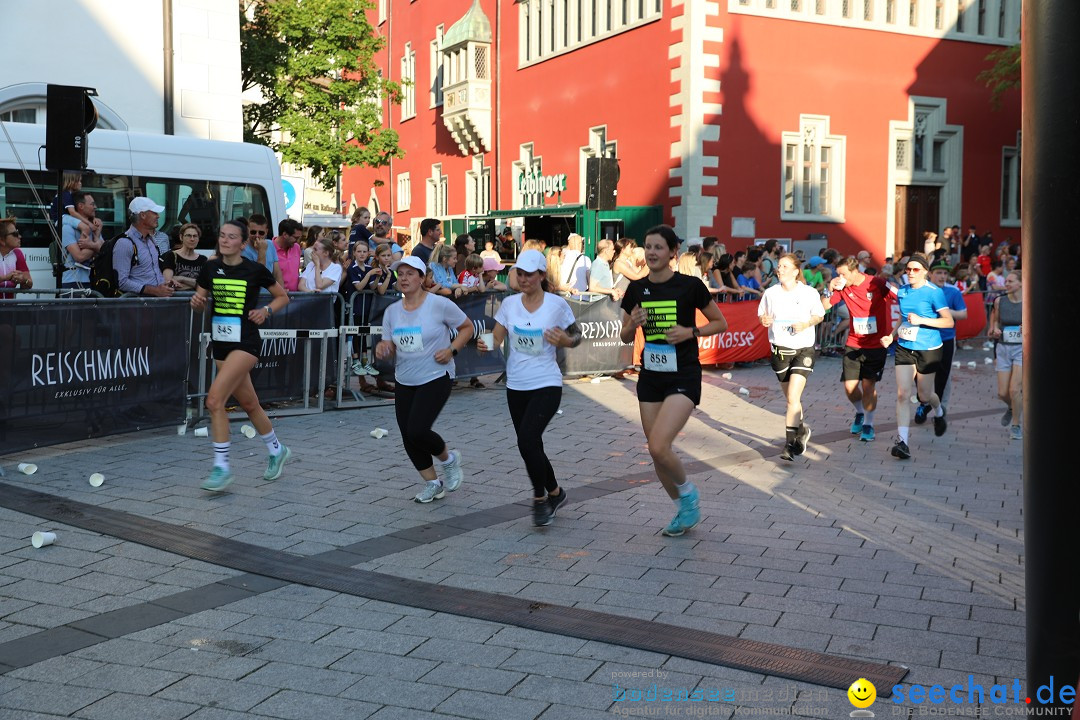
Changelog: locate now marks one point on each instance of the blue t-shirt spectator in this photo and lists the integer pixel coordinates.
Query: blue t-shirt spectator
(955, 299)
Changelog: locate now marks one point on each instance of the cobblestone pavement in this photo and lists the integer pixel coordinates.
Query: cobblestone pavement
(846, 551)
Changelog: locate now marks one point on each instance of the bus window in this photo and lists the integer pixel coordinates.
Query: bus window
(111, 193)
(205, 203)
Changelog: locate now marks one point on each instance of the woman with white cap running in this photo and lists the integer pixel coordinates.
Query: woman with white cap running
(416, 330)
(537, 322)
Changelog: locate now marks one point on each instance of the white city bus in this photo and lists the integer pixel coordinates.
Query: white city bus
(200, 181)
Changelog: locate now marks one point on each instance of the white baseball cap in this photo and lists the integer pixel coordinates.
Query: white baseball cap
(413, 262)
(144, 204)
(531, 261)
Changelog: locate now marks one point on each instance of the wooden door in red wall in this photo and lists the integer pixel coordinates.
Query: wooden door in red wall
(916, 211)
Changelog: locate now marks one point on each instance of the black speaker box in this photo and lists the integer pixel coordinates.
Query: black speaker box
(71, 117)
(601, 183)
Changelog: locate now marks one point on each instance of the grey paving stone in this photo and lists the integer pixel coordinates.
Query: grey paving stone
(464, 653)
(56, 669)
(294, 705)
(349, 617)
(580, 694)
(399, 693)
(46, 616)
(31, 646)
(445, 626)
(531, 639)
(216, 692)
(48, 697)
(124, 651)
(124, 678)
(455, 675)
(371, 641)
(382, 664)
(300, 677)
(193, 661)
(551, 665)
(472, 704)
(121, 705)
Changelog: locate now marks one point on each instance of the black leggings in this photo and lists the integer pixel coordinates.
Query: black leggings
(416, 407)
(531, 411)
(941, 378)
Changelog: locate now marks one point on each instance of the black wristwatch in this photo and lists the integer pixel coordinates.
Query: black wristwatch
(697, 332)
(453, 350)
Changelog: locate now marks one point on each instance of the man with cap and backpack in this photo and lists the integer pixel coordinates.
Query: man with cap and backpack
(129, 262)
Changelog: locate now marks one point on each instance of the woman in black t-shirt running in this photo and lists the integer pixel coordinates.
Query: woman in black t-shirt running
(663, 304)
(234, 282)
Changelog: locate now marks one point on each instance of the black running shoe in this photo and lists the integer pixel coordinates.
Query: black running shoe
(921, 413)
(900, 450)
(939, 424)
(541, 513)
(554, 501)
(802, 437)
(789, 452)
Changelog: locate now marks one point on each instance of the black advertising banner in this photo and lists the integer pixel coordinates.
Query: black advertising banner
(601, 350)
(481, 310)
(77, 369)
(279, 374)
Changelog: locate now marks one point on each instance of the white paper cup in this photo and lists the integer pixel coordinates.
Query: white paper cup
(202, 432)
(971, 364)
(379, 433)
(743, 391)
(987, 361)
(488, 339)
(956, 364)
(181, 429)
(97, 479)
(726, 376)
(249, 432)
(27, 468)
(41, 539)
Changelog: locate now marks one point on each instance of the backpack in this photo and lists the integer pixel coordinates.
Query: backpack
(103, 277)
(56, 259)
(768, 276)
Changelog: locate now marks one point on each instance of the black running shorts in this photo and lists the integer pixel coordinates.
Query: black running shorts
(925, 361)
(655, 386)
(786, 361)
(864, 364)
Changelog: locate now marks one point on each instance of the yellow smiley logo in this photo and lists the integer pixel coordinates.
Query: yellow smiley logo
(862, 693)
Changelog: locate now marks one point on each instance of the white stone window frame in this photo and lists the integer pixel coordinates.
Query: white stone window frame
(404, 191)
(950, 180)
(599, 146)
(818, 127)
(437, 191)
(957, 14)
(531, 163)
(438, 70)
(478, 187)
(1010, 206)
(382, 11)
(538, 19)
(408, 82)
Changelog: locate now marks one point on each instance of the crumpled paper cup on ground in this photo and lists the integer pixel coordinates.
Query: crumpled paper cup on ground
(379, 433)
(96, 480)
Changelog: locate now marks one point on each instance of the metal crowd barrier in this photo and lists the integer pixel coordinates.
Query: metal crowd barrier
(57, 293)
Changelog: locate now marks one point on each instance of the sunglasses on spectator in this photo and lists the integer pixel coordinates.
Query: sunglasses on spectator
(914, 269)
(256, 232)
(382, 222)
(16, 233)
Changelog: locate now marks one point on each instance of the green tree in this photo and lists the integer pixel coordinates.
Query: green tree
(1004, 74)
(314, 62)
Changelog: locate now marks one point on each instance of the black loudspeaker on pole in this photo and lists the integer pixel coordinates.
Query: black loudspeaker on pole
(601, 183)
(71, 116)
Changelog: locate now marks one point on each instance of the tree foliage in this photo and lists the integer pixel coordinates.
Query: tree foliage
(1004, 74)
(314, 63)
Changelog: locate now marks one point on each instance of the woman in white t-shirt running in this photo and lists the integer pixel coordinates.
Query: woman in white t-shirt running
(791, 309)
(536, 322)
(416, 331)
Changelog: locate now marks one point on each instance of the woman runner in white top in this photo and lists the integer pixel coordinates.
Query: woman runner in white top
(416, 330)
(536, 322)
(791, 309)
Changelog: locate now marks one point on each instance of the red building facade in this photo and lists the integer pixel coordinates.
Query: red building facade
(858, 120)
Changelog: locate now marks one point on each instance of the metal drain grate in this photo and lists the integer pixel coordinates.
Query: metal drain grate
(760, 657)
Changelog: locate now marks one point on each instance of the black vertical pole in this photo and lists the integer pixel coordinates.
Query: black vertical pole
(60, 213)
(1050, 190)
